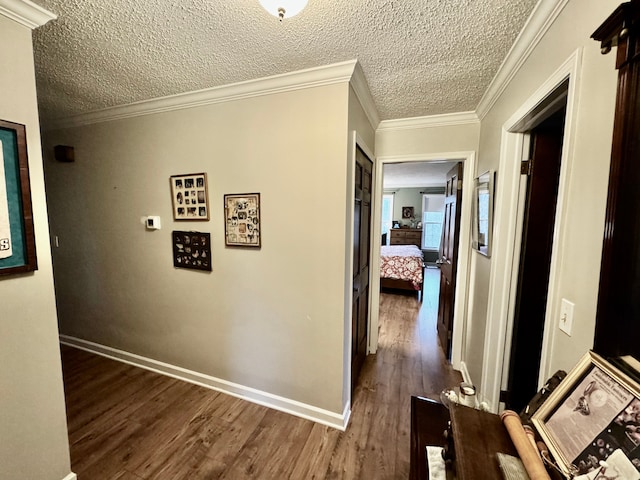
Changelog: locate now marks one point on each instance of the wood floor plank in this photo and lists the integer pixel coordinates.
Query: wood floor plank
(269, 451)
(313, 461)
(132, 424)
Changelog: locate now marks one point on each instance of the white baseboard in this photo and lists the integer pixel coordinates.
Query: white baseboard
(71, 476)
(266, 399)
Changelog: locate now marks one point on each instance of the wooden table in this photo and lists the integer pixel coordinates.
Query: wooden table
(476, 437)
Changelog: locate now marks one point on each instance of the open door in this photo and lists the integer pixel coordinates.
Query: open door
(543, 175)
(361, 254)
(449, 256)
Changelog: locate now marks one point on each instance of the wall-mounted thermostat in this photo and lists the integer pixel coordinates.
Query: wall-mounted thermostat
(152, 223)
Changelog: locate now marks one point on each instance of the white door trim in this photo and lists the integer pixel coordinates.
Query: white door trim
(507, 230)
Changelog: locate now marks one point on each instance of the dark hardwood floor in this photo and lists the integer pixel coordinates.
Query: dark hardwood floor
(127, 423)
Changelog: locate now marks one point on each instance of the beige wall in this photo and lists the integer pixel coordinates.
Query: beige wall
(269, 319)
(427, 140)
(583, 198)
(33, 427)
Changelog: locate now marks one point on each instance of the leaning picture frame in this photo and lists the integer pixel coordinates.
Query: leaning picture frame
(591, 417)
(189, 196)
(242, 226)
(17, 236)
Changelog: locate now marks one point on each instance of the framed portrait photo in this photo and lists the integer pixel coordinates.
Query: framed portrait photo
(17, 237)
(593, 416)
(189, 196)
(242, 227)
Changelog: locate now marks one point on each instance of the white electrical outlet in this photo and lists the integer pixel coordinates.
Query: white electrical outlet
(566, 316)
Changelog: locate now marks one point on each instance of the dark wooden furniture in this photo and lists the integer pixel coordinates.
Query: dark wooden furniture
(617, 325)
(475, 437)
(429, 421)
(406, 236)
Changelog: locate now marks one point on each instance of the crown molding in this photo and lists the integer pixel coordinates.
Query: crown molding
(26, 13)
(361, 88)
(539, 22)
(287, 82)
(443, 120)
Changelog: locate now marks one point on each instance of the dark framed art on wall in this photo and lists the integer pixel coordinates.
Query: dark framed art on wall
(192, 250)
(17, 238)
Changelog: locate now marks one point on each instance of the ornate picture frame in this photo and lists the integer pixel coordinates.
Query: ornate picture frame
(591, 417)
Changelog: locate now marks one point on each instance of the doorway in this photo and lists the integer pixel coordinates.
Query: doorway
(459, 312)
(558, 91)
(542, 175)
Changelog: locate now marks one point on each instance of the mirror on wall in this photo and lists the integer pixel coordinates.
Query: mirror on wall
(483, 213)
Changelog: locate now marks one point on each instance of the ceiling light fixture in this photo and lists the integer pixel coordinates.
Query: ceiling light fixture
(283, 8)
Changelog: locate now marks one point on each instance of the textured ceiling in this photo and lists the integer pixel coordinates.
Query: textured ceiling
(420, 57)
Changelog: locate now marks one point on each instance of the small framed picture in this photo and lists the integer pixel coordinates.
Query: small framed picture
(593, 416)
(242, 227)
(407, 212)
(192, 250)
(189, 196)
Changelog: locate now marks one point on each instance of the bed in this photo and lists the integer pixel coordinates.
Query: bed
(401, 267)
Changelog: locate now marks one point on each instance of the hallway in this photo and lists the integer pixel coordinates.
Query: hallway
(126, 423)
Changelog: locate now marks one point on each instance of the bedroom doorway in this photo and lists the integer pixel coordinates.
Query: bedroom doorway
(468, 159)
(417, 208)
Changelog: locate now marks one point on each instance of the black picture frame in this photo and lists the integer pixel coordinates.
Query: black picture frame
(191, 250)
(17, 236)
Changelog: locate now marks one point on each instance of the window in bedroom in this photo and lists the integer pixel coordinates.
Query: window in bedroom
(387, 214)
(432, 218)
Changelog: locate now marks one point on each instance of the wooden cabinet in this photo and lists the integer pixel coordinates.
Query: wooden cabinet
(617, 325)
(406, 236)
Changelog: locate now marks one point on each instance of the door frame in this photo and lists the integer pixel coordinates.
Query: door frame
(464, 248)
(508, 229)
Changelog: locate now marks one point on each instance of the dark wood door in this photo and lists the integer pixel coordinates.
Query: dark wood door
(449, 256)
(535, 260)
(361, 251)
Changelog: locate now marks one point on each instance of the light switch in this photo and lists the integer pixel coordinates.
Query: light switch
(566, 316)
